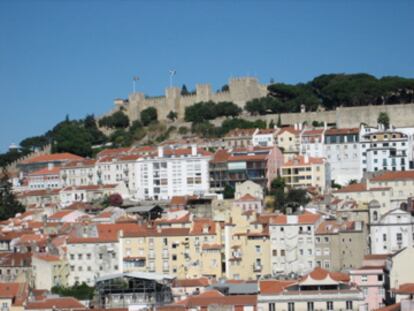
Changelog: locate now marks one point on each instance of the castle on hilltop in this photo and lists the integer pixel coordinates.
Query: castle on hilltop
(240, 91)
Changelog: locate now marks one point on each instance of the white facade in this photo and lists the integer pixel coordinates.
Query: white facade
(385, 149)
(175, 173)
(79, 173)
(292, 247)
(88, 261)
(391, 232)
(47, 178)
(264, 137)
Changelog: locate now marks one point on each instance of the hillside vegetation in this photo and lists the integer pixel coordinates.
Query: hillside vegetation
(325, 92)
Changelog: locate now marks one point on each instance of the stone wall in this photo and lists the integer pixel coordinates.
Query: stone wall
(241, 90)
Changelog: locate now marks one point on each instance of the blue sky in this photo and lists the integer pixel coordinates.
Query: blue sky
(75, 56)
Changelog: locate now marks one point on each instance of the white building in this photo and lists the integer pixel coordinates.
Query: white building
(264, 137)
(79, 173)
(385, 149)
(94, 251)
(312, 142)
(172, 172)
(45, 178)
(391, 232)
(342, 150)
(292, 242)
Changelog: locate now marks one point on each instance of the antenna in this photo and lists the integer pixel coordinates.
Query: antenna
(172, 74)
(134, 81)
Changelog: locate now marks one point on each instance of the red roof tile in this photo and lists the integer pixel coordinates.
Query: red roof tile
(394, 176)
(270, 287)
(46, 171)
(303, 161)
(18, 292)
(55, 303)
(52, 158)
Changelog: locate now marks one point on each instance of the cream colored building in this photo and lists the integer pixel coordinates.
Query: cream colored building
(288, 139)
(303, 171)
(400, 267)
(49, 271)
(247, 245)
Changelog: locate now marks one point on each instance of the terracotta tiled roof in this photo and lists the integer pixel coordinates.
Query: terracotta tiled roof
(405, 289)
(357, 187)
(393, 307)
(312, 132)
(55, 303)
(221, 156)
(332, 226)
(302, 161)
(270, 287)
(90, 187)
(214, 297)
(60, 214)
(46, 257)
(305, 218)
(321, 274)
(393, 176)
(46, 171)
(248, 157)
(52, 157)
(81, 163)
(18, 292)
(248, 197)
(203, 226)
(343, 131)
(291, 130)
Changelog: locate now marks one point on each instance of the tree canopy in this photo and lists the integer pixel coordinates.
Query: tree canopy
(149, 115)
(116, 120)
(204, 111)
(9, 206)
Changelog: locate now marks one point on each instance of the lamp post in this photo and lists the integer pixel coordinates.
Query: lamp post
(134, 81)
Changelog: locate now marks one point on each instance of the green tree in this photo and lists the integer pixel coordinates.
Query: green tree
(78, 291)
(184, 90)
(149, 115)
(277, 188)
(9, 206)
(172, 115)
(71, 136)
(225, 88)
(228, 192)
(117, 120)
(384, 119)
(271, 124)
(279, 121)
(297, 196)
(90, 125)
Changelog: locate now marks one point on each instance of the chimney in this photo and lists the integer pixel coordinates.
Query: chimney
(194, 150)
(306, 158)
(160, 151)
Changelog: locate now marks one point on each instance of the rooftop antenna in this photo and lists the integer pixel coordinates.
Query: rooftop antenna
(172, 74)
(134, 81)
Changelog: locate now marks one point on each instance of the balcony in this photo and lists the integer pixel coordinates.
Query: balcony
(257, 267)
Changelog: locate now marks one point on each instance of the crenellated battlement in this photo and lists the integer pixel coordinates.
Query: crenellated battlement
(241, 90)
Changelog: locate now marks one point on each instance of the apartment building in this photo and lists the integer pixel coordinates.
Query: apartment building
(79, 173)
(292, 242)
(265, 137)
(93, 251)
(258, 164)
(288, 140)
(342, 151)
(176, 246)
(247, 245)
(45, 178)
(391, 232)
(312, 142)
(172, 172)
(339, 245)
(49, 270)
(304, 171)
(46, 160)
(373, 278)
(237, 138)
(318, 290)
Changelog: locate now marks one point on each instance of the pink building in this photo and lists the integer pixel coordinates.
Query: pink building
(373, 279)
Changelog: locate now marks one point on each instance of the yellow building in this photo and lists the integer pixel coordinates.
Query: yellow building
(303, 171)
(180, 246)
(247, 245)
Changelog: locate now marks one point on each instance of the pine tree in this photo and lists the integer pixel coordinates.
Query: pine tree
(9, 206)
(279, 121)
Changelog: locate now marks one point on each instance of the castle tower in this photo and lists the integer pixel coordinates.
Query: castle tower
(203, 92)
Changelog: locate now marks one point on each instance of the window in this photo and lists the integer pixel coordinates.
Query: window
(364, 278)
(311, 306)
(291, 306)
(272, 306)
(380, 277)
(349, 305)
(329, 305)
